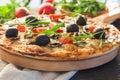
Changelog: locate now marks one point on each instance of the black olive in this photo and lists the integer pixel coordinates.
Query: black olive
(31, 20)
(72, 28)
(42, 40)
(99, 33)
(81, 20)
(12, 32)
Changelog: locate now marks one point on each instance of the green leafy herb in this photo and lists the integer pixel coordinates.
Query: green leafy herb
(82, 6)
(101, 40)
(52, 30)
(76, 39)
(41, 23)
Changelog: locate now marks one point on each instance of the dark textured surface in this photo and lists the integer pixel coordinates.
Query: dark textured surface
(116, 23)
(109, 71)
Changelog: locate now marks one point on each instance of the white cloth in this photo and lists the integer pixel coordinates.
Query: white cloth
(11, 72)
(113, 6)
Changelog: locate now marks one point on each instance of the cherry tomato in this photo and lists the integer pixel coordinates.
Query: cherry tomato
(48, 1)
(46, 8)
(21, 12)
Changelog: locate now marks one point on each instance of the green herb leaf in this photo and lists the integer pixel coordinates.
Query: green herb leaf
(52, 30)
(83, 6)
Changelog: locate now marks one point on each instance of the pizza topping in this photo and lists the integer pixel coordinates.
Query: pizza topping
(91, 28)
(42, 40)
(55, 36)
(12, 32)
(81, 20)
(99, 33)
(53, 29)
(65, 40)
(31, 20)
(21, 28)
(59, 30)
(72, 28)
(53, 45)
(38, 30)
(56, 17)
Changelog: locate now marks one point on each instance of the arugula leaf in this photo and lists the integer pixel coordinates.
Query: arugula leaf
(83, 6)
(52, 30)
(84, 36)
(41, 22)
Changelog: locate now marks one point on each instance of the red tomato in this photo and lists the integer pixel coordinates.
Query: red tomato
(59, 30)
(46, 8)
(91, 28)
(66, 40)
(56, 17)
(21, 12)
(38, 30)
(21, 28)
(48, 1)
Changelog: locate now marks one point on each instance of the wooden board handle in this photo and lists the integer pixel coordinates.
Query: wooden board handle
(106, 18)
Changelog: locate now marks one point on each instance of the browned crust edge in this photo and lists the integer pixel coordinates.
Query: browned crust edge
(52, 58)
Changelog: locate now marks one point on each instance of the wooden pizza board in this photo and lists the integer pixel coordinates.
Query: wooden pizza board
(47, 65)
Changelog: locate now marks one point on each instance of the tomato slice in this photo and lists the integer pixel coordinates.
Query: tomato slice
(65, 40)
(59, 30)
(56, 17)
(21, 28)
(91, 28)
(38, 30)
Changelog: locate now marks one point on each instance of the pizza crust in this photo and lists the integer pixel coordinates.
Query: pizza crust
(59, 55)
(58, 65)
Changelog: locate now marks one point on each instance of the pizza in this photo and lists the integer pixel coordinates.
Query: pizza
(58, 37)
